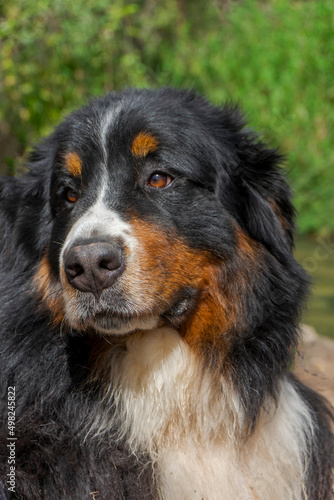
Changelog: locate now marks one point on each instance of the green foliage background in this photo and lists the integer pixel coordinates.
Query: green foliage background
(274, 57)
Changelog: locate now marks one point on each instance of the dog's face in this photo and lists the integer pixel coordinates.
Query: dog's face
(160, 209)
(138, 232)
(131, 229)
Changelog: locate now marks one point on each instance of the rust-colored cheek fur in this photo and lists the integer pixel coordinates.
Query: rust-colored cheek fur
(169, 266)
(49, 290)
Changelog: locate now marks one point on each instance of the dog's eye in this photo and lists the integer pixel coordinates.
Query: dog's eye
(71, 195)
(159, 180)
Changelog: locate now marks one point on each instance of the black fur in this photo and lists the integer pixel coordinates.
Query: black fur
(224, 176)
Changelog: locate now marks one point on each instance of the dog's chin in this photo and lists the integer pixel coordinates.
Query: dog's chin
(101, 319)
(118, 326)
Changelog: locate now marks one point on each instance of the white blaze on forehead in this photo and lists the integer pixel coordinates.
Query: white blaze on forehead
(100, 221)
(107, 119)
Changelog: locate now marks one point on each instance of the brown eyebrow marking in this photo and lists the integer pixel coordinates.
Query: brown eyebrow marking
(73, 164)
(143, 144)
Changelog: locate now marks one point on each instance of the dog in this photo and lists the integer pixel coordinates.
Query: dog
(150, 304)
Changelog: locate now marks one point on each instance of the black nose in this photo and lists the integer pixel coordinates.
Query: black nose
(93, 266)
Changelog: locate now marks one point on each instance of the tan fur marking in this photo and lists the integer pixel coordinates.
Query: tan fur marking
(168, 265)
(282, 220)
(247, 247)
(143, 144)
(73, 164)
(49, 290)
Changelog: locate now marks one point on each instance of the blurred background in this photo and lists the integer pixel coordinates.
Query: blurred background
(274, 57)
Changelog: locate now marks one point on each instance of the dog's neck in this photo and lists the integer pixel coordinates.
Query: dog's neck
(167, 405)
(163, 392)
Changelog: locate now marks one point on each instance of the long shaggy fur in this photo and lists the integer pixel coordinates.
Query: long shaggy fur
(149, 313)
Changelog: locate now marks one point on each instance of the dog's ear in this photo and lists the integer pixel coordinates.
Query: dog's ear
(10, 193)
(25, 203)
(257, 194)
(10, 196)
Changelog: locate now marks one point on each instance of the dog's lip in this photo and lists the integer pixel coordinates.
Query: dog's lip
(111, 318)
(118, 319)
(116, 323)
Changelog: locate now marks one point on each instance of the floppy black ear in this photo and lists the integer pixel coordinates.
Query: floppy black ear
(25, 206)
(10, 193)
(258, 194)
(10, 196)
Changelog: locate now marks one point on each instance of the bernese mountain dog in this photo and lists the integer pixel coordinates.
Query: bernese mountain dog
(149, 313)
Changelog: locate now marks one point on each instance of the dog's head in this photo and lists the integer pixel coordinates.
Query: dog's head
(154, 207)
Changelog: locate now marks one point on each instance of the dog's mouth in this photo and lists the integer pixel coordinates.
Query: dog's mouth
(121, 324)
(117, 321)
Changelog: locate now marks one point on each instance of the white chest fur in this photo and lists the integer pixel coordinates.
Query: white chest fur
(171, 408)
